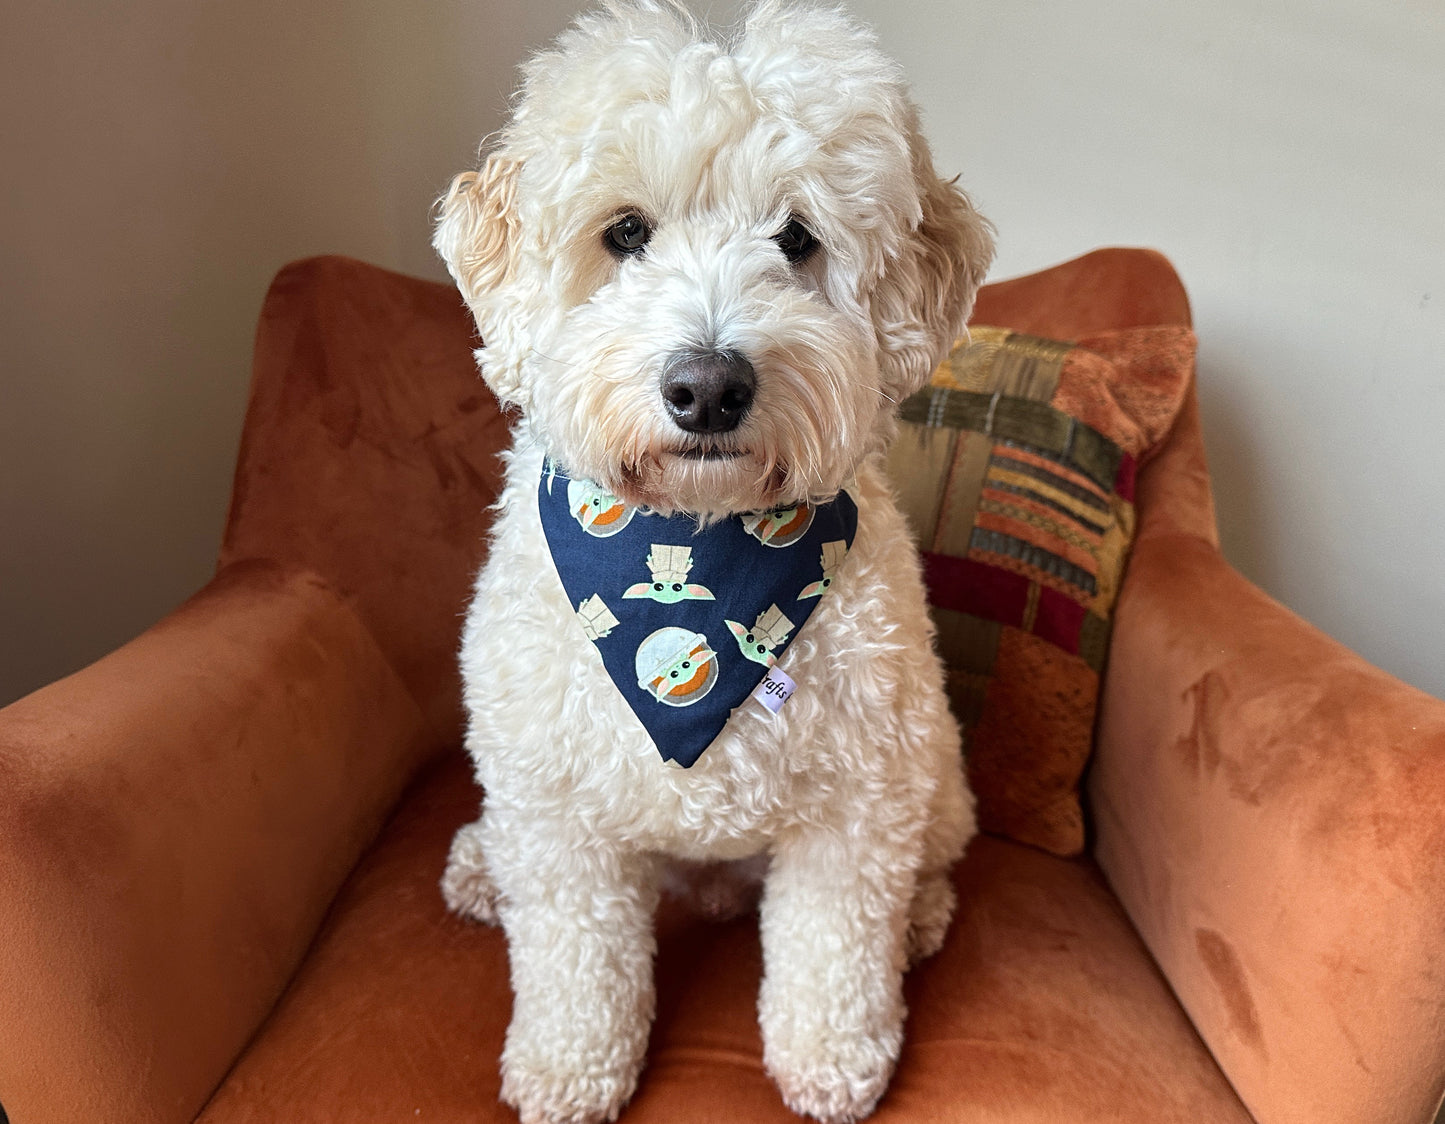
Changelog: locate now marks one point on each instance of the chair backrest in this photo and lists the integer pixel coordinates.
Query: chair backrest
(369, 454)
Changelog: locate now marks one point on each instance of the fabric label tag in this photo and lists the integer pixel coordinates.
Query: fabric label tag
(776, 688)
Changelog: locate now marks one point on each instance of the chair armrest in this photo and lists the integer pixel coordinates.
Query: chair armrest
(174, 821)
(1271, 811)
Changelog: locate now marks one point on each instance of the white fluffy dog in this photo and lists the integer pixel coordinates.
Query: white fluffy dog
(762, 216)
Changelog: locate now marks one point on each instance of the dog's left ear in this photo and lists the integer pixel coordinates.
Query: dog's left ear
(923, 300)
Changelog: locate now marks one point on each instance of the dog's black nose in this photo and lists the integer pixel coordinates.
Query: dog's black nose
(708, 392)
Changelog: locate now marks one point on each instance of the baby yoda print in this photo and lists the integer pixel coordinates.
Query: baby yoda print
(669, 585)
(757, 643)
(597, 619)
(598, 511)
(779, 528)
(676, 666)
(833, 555)
(652, 637)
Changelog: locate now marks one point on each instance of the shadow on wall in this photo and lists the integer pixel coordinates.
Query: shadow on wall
(1234, 468)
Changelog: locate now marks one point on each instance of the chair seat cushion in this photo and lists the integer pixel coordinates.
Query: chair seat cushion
(1043, 1006)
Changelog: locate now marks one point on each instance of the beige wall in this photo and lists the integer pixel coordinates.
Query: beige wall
(1289, 156)
(163, 159)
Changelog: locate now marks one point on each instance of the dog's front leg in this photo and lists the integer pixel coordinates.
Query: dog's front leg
(834, 914)
(578, 914)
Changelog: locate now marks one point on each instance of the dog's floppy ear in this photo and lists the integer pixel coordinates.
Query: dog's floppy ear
(476, 229)
(924, 298)
(477, 235)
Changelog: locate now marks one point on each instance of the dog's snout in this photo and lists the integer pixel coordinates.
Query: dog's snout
(709, 392)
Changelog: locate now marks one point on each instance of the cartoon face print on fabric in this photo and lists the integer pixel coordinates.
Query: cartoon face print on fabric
(676, 666)
(779, 528)
(769, 631)
(755, 577)
(597, 511)
(669, 566)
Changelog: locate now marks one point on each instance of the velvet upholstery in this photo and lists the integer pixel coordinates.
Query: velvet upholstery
(173, 822)
(1269, 811)
(1042, 1007)
(369, 456)
(1268, 807)
(184, 825)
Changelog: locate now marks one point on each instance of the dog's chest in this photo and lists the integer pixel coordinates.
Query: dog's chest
(551, 729)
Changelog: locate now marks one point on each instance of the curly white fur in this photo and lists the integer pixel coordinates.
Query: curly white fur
(854, 792)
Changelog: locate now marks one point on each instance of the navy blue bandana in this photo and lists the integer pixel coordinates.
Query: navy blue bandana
(689, 622)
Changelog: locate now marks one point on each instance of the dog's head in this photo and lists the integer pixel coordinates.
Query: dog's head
(706, 273)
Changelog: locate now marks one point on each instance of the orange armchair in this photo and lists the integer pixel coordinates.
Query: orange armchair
(219, 845)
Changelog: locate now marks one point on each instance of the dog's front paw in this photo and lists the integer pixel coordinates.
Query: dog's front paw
(466, 886)
(836, 1081)
(555, 1096)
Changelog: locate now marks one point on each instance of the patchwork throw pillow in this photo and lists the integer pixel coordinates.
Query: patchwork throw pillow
(1016, 470)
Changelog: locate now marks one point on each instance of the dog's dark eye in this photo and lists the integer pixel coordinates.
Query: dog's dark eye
(796, 241)
(628, 234)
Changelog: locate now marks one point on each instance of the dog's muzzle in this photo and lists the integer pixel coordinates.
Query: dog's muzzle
(708, 392)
